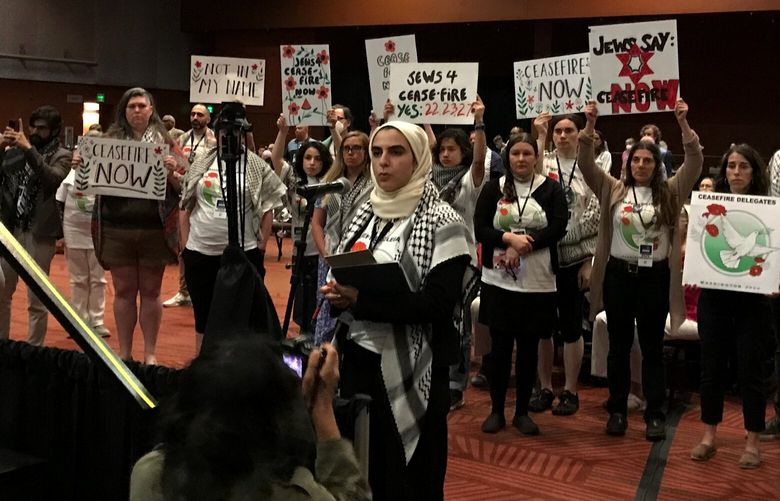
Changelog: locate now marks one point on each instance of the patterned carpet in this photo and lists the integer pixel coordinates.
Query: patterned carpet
(572, 459)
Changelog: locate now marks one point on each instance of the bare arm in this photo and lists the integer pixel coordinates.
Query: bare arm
(184, 228)
(541, 125)
(480, 143)
(686, 176)
(277, 155)
(266, 224)
(586, 160)
(318, 230)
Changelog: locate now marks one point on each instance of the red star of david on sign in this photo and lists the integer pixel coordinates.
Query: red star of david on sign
(635, 63)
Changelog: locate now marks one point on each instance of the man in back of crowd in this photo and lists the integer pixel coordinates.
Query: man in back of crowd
(301, 136)
(170, 126)
(31, 171)
(194, 144)
(652, 130)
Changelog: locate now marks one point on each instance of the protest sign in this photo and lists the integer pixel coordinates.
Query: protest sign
(434, 93)
(634, 67)
(132, 169)
(557, 85)
(220, 79)
(305, 84)
(733, 242)
(381, 53)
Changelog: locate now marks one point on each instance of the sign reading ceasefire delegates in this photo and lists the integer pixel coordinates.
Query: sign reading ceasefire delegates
(122, 168)
(305, 84)
(558, 85)
(381, 53)
(434, 93)
(634, 67)
(220, 79)
(733, 242)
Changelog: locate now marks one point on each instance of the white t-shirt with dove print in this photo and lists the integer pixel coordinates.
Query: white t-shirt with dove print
(634, 224)
(534, 272)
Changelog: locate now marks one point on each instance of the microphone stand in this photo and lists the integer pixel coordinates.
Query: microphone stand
(230, 153)
(297, 278)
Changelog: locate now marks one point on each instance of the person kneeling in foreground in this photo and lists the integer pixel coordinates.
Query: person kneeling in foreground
(238, 429)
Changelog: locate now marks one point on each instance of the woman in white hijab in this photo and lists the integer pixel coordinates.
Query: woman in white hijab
(400, 346)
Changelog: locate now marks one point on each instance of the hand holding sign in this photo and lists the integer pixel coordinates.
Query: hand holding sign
(591, 114)
(478, 109)
(542, 123)
(281, 123)
(681, 110)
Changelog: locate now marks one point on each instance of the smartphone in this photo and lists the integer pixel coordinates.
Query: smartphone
(294, 362)
(14, 125)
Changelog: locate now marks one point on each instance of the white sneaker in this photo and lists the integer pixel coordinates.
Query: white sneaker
(101, 331)
(178, 300)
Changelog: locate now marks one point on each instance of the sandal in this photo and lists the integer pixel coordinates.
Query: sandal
(703, 452)
(750, 460)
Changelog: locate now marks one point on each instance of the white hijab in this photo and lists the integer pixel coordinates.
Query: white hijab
(402, 202)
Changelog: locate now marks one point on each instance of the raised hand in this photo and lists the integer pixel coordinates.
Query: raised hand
(478, 108)
(542, 123)
(281, 123)
(681, 110)
(591, 114)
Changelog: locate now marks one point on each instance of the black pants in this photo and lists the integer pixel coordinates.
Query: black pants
(200, 273)
(775, 302)
(642, 296)
(533, 314)
(389, 475)
(733, 321)
(569, 299)
(306, 293)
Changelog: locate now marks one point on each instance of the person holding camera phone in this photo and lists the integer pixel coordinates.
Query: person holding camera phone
(31, 170)
(238, 429)
(519, 219)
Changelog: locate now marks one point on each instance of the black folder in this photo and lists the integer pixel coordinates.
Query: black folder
(356, 269)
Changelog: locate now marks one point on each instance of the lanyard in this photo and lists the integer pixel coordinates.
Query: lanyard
(560, 173)
(382, 234)
(193, 148)
(527, 196)
(638, 209)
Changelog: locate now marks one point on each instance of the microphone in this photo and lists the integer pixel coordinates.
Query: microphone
(341, 185)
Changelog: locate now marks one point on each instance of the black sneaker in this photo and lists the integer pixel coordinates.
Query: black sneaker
(568, 404)
(525, 425)
(541, 401)
(617, 424)
(655, 430)
(479, 380)
(772, 430)
(493, 423)
(456, 400)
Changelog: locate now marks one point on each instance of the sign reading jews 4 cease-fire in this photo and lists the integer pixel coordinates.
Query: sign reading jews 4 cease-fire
(220, 79)
(306, 85)
(557, 85)
(733, 242)
(131, 169)
(434, 93)
(634, 67)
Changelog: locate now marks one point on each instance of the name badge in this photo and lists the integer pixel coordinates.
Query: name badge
(220, 211)
(645, 256)
(520, 231)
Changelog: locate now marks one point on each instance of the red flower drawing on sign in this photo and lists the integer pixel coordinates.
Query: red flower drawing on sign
(254, 67)
(322, 92)
(755, 270)
(635, 63)
(323, 57)
(389, 46)
(293, 109)
(531, 99)
(712, 230)
(288, 51)
(289, 83)
(569, 104)
(198, 64)
(158, 151)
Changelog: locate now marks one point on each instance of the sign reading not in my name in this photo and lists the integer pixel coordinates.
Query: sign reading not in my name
(122, 168)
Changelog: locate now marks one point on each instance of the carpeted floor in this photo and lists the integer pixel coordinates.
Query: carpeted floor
(571, 459)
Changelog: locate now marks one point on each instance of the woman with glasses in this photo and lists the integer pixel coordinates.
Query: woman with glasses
(335, 211)
(519, 220)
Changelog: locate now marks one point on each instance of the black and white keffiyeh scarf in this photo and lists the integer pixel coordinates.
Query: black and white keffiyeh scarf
(447, 180)
(435, 234)
(28, 183)
(342, 208)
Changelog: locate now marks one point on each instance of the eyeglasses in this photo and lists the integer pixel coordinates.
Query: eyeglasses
(353, 149)
(39, 127)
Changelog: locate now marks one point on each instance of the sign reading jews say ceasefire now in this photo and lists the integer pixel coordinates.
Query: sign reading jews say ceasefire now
(381, 54)
(557, 85)
(131, 169)
(220, 79)
(434, 93)
(634, 67)
(733, 243)
(305, 84)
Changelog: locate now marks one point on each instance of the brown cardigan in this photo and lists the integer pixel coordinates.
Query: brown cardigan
(611, 191)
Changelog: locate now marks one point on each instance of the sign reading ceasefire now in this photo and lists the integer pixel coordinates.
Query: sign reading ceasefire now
(122, 168)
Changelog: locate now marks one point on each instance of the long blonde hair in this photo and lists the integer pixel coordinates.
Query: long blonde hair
(338, 169)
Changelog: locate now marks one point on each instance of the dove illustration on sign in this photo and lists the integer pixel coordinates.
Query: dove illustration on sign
(741, 246)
